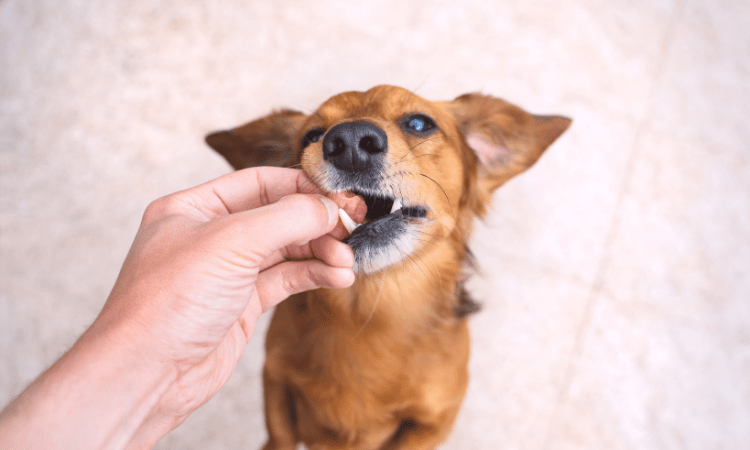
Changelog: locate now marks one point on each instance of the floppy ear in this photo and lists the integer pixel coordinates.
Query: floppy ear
(267, 141)
(506, 139)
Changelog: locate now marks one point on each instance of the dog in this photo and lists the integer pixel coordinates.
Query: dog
(383, 364)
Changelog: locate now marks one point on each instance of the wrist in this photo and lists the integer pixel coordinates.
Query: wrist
(143, 379)
(101, 394)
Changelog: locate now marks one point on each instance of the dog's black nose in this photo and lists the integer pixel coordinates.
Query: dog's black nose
(355, 146)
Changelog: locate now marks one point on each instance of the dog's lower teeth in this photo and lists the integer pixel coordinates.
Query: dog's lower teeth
(396, 205)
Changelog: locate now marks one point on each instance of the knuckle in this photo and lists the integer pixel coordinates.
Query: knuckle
(299, 279)
(313, 277)
(288, 283)
(155, 210)
(161, 208)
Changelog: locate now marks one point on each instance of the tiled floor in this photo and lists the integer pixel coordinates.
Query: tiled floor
(616, 272)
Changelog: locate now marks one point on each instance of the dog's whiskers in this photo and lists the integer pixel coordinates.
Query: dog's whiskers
(312, 180)
(419, 237)
(446, 197)
(425, 140)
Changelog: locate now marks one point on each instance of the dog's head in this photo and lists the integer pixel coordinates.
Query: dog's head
(424, 168)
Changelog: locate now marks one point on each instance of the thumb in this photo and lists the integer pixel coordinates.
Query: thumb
(293, 220)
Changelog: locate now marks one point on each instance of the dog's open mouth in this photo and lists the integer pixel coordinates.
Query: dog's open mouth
(379, 207)
(388, 234)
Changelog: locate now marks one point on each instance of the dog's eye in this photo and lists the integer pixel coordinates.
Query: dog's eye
(418, 124)
(311, 136)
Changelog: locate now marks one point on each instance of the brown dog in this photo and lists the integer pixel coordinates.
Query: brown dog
(383, 364)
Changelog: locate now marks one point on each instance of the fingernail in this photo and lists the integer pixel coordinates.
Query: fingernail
(332, 208)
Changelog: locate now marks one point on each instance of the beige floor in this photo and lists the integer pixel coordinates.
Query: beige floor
(617, 271)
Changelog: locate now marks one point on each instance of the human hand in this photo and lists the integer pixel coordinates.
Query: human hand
(205, 264)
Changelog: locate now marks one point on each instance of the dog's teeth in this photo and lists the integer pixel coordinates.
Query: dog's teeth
(396, 205)
(349, 224)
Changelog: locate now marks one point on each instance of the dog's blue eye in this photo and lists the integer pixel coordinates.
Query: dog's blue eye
(418, 124)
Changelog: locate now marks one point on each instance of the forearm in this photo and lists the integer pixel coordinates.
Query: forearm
(100, 395)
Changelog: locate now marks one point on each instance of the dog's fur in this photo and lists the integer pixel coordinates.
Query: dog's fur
(383, 364)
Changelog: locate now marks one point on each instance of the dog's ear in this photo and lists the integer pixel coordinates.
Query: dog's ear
(506, 139)
(267, 141)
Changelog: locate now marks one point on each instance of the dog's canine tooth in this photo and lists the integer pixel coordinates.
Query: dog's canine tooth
(349, 224)
(397, 204)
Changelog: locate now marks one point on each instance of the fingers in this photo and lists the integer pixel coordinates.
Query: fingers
(288, 278)
(245, 190)
(236, 192)
(259, 186)
(255, 187)
(332, 251)
(326, 248)
(294, 220)
(331, 270)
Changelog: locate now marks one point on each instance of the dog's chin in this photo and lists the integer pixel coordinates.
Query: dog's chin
(390, 233)
(385, 241)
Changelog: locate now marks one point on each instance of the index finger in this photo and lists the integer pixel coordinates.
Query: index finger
(251, 188)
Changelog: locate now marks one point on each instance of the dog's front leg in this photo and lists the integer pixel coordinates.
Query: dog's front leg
(419, 437)
(280, 415)
(425, 435)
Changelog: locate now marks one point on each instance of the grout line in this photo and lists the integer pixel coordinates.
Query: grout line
(604, 260)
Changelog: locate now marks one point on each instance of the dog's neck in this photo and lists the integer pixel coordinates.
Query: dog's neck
(421, 293)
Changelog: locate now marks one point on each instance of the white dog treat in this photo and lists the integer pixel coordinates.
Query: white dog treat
(349, 224)
(397, 204)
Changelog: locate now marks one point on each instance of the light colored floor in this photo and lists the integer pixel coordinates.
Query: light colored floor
(617, 270)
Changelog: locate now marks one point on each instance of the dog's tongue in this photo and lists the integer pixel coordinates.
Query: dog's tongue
(354, 205)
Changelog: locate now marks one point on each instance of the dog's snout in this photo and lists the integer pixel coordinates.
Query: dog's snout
(355, 146)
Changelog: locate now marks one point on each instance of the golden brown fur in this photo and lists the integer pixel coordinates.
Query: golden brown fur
(383, 364)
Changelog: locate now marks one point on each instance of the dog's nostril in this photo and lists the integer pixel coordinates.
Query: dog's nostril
(369, 145)
(338, 147)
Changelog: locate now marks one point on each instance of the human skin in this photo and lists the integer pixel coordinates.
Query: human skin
(205, 264)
